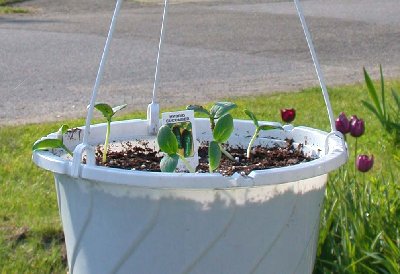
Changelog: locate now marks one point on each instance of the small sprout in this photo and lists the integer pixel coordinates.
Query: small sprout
(108, 112)
(257, 131)
(218, 110)
(221, 133)
(47, 144)
(168, 143)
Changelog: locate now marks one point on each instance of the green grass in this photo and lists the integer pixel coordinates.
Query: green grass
(359, 232)
(6, 7)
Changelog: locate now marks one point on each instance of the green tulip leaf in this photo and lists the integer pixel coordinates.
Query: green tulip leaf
(221, 108)
(167, 140)
(105, 109)
(396, 98)
(214, 155)
(169, 163)
(252, 117)
(198, 109)
(372, 92)
(223, 129)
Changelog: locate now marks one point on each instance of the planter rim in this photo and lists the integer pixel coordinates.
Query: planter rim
(336, 157)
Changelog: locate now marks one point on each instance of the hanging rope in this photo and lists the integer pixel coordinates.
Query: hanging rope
(162, 32)
(153, 109)
(316, 64)
(100, 72)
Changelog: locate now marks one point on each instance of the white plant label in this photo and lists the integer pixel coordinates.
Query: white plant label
(182, 125)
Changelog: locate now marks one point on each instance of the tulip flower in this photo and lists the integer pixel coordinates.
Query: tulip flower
(342, 123)
(288, 114)
(364, 163)
(356, 126)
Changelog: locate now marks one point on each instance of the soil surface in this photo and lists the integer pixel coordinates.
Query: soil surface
(146, 159)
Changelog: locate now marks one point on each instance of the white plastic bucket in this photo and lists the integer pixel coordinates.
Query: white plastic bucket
(122, 221)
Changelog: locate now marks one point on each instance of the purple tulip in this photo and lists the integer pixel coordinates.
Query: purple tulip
(342, 123)
(356, 126)
(364, 163)
(288, 114)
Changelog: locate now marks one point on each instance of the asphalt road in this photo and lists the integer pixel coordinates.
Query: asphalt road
(213, 49)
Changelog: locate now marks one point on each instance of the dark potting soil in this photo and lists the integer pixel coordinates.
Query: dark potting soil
(146, 159)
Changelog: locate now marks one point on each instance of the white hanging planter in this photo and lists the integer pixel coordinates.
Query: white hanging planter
(122, 221)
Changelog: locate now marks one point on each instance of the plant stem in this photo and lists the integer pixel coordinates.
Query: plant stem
(212, 123)
(251, 142)
(106, 141)
(227, 154)
(187, 164)
(67, 150)
(355, 159)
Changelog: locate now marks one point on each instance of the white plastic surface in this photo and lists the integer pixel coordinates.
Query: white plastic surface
(314, 141)
(120, 221)
(127, 229)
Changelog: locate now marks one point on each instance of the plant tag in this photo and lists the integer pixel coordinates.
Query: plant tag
(182, 125)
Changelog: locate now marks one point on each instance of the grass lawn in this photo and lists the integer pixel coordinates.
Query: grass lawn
(6, 6)
(359, 224)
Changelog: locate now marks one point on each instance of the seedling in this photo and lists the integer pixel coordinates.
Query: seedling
(47, 144)
(108, 112)
(257, 131)
(183, 134)
(221, 133)
(218, 110)
(168, 143)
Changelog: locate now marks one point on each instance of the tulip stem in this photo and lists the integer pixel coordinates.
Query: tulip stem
(355, 159)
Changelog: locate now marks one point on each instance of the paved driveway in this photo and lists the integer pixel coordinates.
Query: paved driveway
(213, 49)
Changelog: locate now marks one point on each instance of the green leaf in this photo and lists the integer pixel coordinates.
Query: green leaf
(63, 129)
(169, 163)
(167, 140)
(374, 111)
(118, 108)
(47, 144)
(214, 155)
(268, 127)
(396, 98)
(252, 117)
(198, 109)
(105, 109)
(223, 129)
(221, 108)
(372, 92)
(383, 93)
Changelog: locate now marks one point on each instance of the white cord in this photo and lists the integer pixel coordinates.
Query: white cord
(162, 32)
(316, 64)
(153, 109)
(100, 72)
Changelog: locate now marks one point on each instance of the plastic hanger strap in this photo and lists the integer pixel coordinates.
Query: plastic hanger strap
(316, 64)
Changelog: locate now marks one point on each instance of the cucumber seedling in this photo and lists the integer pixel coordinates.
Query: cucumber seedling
(221, 133)
(108, 112)
(47, 144)
(168, 143)
(258, 129)
(218, 110)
